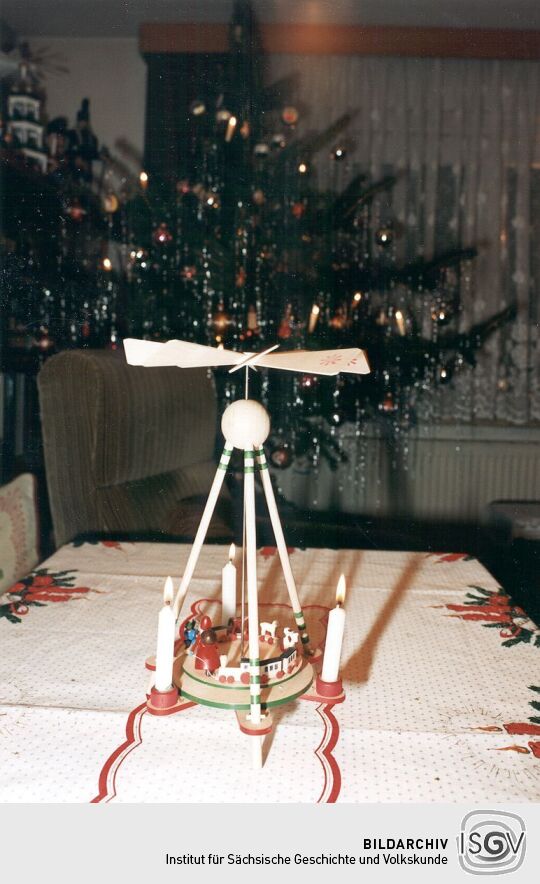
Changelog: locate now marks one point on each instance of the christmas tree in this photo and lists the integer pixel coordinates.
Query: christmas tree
(240, 248)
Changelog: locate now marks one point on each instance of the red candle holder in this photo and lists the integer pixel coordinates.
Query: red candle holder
(329, 689)
(163, 702)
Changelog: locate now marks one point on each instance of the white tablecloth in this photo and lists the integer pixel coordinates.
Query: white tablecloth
(441, 674)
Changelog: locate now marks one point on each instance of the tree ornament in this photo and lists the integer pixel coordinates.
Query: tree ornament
(441, 313)
(261, 149)
(44, 341)
(76, 211)
(258, 197)
(240, 278)
(110, 203)
(281, 455)
(290, 115)
(298, 209)
(303, 167)
(188, 271)
(277, 141)
(388, 405)
(252, 321)
(162, 235)
(197, 107)
(339, 320)
(384, 235)
(221, 320)
(285, 329)
(309, 381)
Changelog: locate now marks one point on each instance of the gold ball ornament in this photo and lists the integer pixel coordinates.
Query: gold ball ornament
(110, 203)
(220, 319)
(197, 107)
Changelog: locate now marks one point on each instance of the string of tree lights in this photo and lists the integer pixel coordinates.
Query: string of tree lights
(240, 248)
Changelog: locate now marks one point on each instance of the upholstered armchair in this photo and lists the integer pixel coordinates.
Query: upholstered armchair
(128, 450)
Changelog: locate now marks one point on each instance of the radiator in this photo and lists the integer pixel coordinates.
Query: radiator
(452, 473)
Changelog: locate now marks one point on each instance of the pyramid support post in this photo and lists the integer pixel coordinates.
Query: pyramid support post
(282, 547)
(253, 602)
(203, 526)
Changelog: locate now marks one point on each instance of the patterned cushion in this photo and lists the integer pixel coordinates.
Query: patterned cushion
(18, 530)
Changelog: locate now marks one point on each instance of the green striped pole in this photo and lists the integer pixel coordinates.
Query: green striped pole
(282, 547)
(203, 526)
(253, 604)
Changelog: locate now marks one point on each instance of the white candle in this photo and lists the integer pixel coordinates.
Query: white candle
(231, 126)
(165, 640)
(228, 588)
(334, 636)
(313, 317)
(400, 322)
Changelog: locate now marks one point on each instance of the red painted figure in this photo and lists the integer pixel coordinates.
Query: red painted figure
(207, 653)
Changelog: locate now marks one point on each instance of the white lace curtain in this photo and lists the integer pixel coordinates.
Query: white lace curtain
(465, 136)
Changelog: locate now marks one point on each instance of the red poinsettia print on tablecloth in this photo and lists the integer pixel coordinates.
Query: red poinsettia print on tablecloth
(38, 589)
(495, 609)
(529, 728)
(268, 551)
(451, 557)
(108, 544)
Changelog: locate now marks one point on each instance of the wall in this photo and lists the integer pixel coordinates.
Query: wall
(108, 71)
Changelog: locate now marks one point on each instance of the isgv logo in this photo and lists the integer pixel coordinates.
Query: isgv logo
(491, 842)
